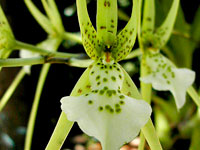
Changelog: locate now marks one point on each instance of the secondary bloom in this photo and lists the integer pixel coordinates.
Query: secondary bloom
(106, 104)
(163, 75)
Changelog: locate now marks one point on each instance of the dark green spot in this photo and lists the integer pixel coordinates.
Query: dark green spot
(173, 75)
(168, 82)
(121, 96)
(122, 102)
(118, 110)
(164, 75)
(101, 92)
(105, 88)
(98, 77)
(100, 108)
(90, 102)
(117, 105)
(113, 78)
(105, 79)
(114, 92)
(109, 93)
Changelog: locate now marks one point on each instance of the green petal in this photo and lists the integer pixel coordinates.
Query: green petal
(7, 40)
(148, 16)
(165, 77)
(89, 35)
(105, 112)
(126, 38)
(164, 31)
(107, 20)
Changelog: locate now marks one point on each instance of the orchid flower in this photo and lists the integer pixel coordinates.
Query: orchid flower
(162, 74)
(7, 40)
(104, 106)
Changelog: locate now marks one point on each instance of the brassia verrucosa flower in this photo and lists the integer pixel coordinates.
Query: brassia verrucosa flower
(162, 74)
(105, 107)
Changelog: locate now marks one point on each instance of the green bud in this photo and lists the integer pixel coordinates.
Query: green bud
(7, 40)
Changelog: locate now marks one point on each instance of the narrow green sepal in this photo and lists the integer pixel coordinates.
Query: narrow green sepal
(88, 33)
(39, 17)
(126, 38)
(162, 34)
(107, 20)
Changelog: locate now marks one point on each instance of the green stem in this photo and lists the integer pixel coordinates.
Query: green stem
(194, 95)
(31, 122)
(148, 130)
(16, 62)
(11, 89)
(146, 95)
(58, 137)
(72, 37)
(49, 53)
(142, 142)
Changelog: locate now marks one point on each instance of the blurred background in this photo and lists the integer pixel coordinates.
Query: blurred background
(62, 78)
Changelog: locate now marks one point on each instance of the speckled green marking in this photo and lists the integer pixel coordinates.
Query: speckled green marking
(105, 79)
(100, 108)
(90, 102)
(113, 78)
(121, 102)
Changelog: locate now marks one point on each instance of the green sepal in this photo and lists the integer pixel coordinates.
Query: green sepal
(162, 34)
(63, 125)
(88, 33)
(39, 17)
(148, 16)
(107, 20)
(126, 38)
(129, 88)
(7, 40)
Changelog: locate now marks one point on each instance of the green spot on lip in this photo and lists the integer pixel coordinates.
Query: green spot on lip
(90, 102)
(100, 108)
(121, 96)
(122, 102)
(113, 78)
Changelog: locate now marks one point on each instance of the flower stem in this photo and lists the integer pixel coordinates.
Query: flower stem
(16, 62)
(148, 130)
(32, 48)
(194, 95)
(31, 122)
(11, 89)
(60, 133)
(142, 142)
